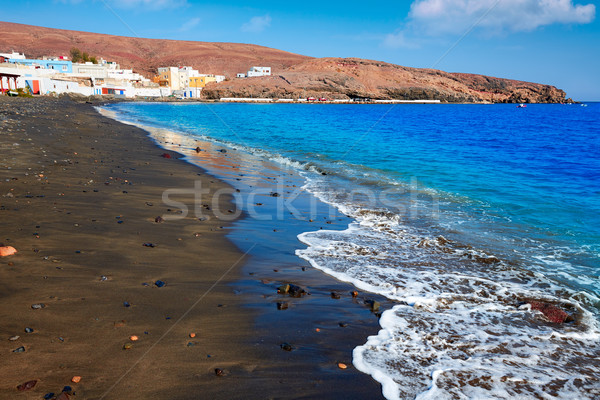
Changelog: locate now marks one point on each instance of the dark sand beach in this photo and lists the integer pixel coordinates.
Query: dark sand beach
(79, 197)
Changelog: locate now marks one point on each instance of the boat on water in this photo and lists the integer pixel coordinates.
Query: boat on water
(522, 106)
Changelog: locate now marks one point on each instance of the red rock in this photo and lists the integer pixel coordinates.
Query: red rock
(7, 251)
(166, 155)
(26, 386)
(551, 312)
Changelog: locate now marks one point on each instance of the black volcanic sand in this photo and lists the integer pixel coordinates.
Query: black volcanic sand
(79, 195)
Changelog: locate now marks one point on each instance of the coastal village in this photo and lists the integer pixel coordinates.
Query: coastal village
(53, 75)
(60, 75)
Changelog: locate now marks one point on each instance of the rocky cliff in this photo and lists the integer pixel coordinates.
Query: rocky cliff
(338, 78)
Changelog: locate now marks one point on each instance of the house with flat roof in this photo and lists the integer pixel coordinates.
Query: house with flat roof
(259, 71)
(57, 65)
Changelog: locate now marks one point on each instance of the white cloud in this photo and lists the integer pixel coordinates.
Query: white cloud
(257, 24)
(189, 25)
(437, 17)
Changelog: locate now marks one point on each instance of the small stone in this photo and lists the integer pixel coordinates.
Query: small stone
(19, 350)
(127, 346)
(126, 304)
(103, 278)
(28, 330)
(317, 329)
(373, 305)
(282, 306)
(198, 149)
(68, 390)
(13, 338)
(26, 386)
(76, 379)
(160, 283)
(149, 245)
(354, 294)
(286, 346)
(6, 251)
(192, 335)
(48, 396)
(283, 289)
(165, 155)
(219, 372)
(38, 306)
(335, 295)
(133, 338)
(342, 366)
(159, 219)
(343, 324)
(296, 291)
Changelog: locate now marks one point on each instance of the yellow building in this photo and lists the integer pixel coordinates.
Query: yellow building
(201, 81)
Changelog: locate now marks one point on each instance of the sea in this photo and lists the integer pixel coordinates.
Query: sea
(464, 216)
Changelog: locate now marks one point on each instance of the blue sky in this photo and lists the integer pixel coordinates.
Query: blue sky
(546, 41)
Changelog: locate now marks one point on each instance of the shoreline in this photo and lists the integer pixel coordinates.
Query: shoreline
(323, 330)
(248, 170)
(87, 264)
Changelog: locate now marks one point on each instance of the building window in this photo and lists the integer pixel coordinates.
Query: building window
(64, 68)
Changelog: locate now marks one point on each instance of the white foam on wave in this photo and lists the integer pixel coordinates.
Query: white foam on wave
(461, 330)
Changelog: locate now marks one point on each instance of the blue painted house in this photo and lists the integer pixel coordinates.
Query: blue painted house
(58, 65)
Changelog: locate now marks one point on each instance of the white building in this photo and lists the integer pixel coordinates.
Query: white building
(14, 55)
(259, 71)
(240, 75)
(185, 73)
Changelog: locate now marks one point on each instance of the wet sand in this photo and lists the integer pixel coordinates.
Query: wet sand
(79, 194)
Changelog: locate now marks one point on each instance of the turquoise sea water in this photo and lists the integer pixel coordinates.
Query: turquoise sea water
(462, 214)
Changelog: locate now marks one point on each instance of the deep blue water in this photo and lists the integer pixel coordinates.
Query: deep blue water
(518, 186)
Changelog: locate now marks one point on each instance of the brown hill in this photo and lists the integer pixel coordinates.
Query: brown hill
(293, 75)
(144, 55)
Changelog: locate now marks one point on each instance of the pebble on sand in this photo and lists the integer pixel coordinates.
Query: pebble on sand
(76, 379)
(7, 251)
(286, 346)
(26, 386)
(342, 366)
(133, 338)
(192, 335)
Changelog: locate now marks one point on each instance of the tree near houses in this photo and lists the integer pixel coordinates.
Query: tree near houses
(79, 56)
